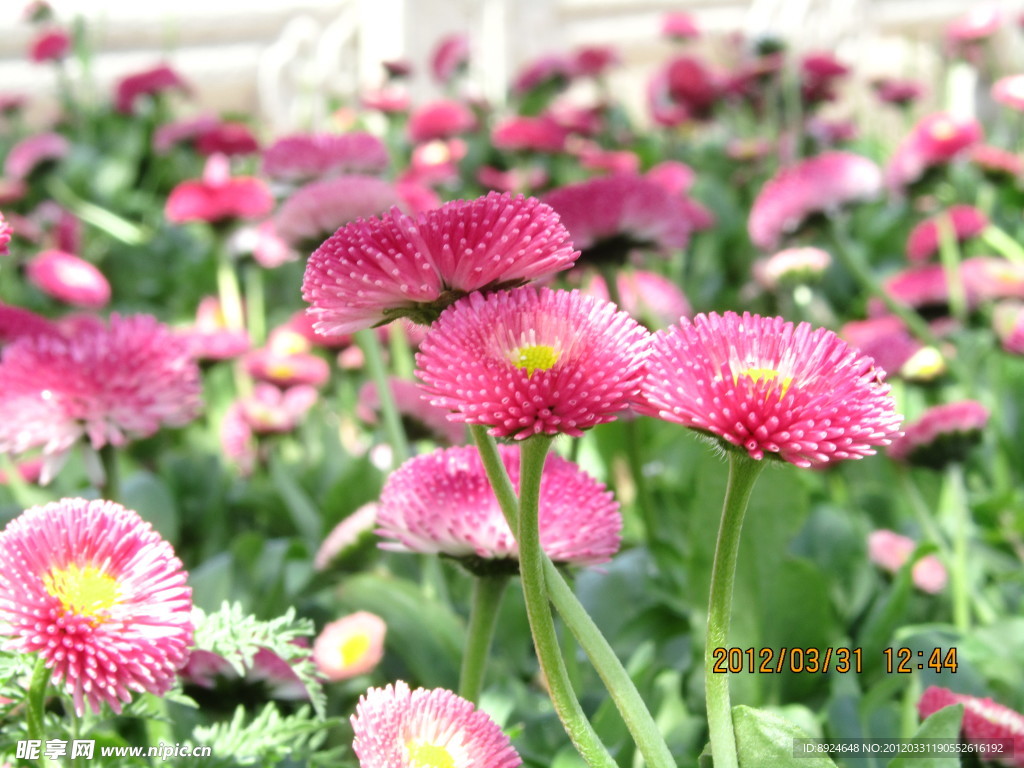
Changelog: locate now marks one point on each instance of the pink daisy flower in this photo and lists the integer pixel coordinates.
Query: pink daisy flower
(450, 56)
(227, 139)
(68, 278)
(6, 230)
(440, 120)
(209, 338)
(595, 60)
(395, 727)
(965, 221)
(148, 82)
(530, 361)
(677, 178)
(269, 410)
(1007, 321)
(287, 369)
(935, 140)
(890, 550)
(792, 266)
(351, 646)
(899, 92)
(347, 537)
(819, 184)
(997, 163)
(992, 277)
(942, 434)
(32, 152)
(314, 212)
(442, 503)
(885, 339)
(168, 135)
(16, 322)
(983, 719)
(375, 270)
(527, 133)
(303, 157)
(99, 595)
(263, 242)
(693, 86)
(679, 26)
(52, 45)
(218, 196)
(552, 69)
(651, 298)
(979, 23)
(105, 383)
(1009, 91)
(769, 387)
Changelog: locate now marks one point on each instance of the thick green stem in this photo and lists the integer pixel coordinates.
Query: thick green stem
(483, 617)
(370, 344)
(533, 452)
(255, 304)
(227, 288)
(1005, 245)
(956, 504)
(496, 474)
(35, 705)
(743, 471)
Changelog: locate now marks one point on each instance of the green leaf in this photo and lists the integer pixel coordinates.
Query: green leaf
(944, 724)
(764, 738)
(149, 495)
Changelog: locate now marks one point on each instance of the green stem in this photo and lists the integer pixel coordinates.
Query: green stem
(227, 287)
(949, 256)
(255, 304)
(112, 480)
(35, 706)
(743, 471)
(533, 452)
(1008, 247)
(483, 618)
(370, 344)
(956, 501)
(496, 474)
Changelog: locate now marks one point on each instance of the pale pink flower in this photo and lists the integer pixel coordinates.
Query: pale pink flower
(450, 56)
(890, 550)
(1009, 91)
(315, 212)
(677, 25)
(302, 157)
(942, 434)
(770, 388)
(270, 410)
(375, 270)
(651, 298)
(1007, 321)
(791, 266)
(440, 120)
(99, 595)
(5, 234)
(964, 222)
(395, 727)
(442, 503)
(68, 278)
(984, 719)
(347, 536)
(421, 420)
(209, 338)
(351, 646)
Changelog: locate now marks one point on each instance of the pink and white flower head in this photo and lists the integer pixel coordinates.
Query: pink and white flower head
(450, 56)
(997, 163)
(269, 410)
(649, 297)
(885, 339)
(373, 271)
(287, 369)
(964, 222)
(935, 140)
(611, 215)
(890, 550)
(771, 388)
(442, 503)
(820, 184)
(263, 243)
(68, 278)
(32, 152)
(979, 23)
(106, 383)
(421, 420)
(942, 434)
(347, 537)
(440, 120)
(95, 591)
(679, 26)
(986, 278)
(314, 212)
(147, 83)
(984, 719)
(792, 266)
(218, 196)
(529, 361)
(304, 157)
(395, 727)
(677, 178)
(351, 646)
(6, 230)
(1009, 91)
(51, 45)
(527, 133)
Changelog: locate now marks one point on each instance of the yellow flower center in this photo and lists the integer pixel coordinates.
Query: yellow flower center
(423, 754)
(281, 370)
(534, 357)
(83, 591)
(943, 130)
(354, 648)
(766, 375)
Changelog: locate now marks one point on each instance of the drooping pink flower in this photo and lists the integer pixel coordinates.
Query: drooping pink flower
(651, 298)
(984, 719)
(375, 270)
(770, 387)
(99, 595)
(314, 212)
(106, 383)
(935, 140)
(440, 120)
(68, 278)
(419, 417)
(442, 503)
(350, 646)
(347, 536)
(450, 56)
(218, 196)
(526, 133)
(226, 138)
(303, 157)
(819, 184)
(531, 361)
(396, 727)
(890, 550)
(942, 434)
(146, 83)
(51, 45)
(32, 152)
(964, 221)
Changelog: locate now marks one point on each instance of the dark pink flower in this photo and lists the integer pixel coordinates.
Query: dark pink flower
(537, 134)
(899, 92)
(375, 270)
(442, 503)
(450, 56)
(530, 361)
(95, 591)
(693, 86)
(984, 719)
(16, 322)
(616, 161)
(440, 120)
(819, 184)
(942, 434)
(676, 177)
(68, 278)
(148, 82)
(32, 152)
(301, 157)
(219, 196)
(935, 140)
(594, 60)
(769, 387)
(227, 139)
(314, 212)
(964, 221)
(819, 72)
(168, 135)
(52, 45)
(394, 727)
(552, 69)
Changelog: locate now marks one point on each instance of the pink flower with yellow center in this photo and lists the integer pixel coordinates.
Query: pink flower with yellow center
(373, 271)
(396, 727)
(99, 595)
(533, 361)
(351, 646)
(984, 719)
(770, 387)
(442, 503)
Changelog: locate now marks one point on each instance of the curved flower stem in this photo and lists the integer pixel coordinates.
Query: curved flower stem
(949, 256)
(496, 474)
(370, 344)
(743, 472)
(483, 617)
(533, 452)
(35, 703)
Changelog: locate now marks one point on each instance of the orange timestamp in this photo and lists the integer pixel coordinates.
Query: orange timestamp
(824, 660)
